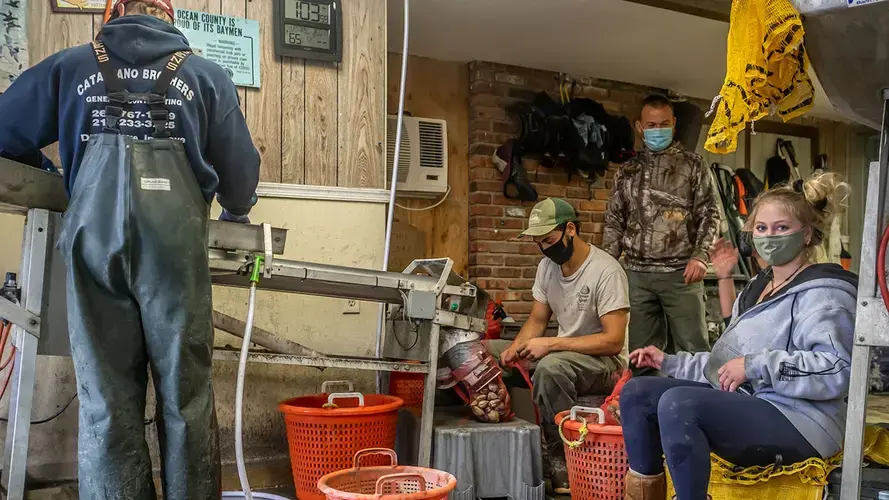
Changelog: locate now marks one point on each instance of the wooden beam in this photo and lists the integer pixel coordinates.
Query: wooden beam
(685, 9)
(780, 128)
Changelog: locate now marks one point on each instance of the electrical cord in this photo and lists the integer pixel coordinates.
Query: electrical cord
(49, 419)
(415, 329)
(4, 339)
(5, 331)
(416, 337)
(60, 412)
(430, 207)
(881, 267)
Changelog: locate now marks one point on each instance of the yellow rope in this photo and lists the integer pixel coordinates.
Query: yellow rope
(580, 439)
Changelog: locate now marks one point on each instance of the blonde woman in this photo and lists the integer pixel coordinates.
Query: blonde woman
(773, 387)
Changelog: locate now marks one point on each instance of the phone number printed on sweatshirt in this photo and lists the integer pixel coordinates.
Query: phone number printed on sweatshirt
(131, 119)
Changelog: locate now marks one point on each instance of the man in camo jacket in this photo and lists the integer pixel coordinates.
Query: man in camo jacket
(663, 216)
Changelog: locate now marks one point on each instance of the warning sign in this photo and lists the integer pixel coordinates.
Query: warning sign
(231, 42)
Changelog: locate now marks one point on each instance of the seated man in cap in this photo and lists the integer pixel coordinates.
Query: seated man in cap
(586, 290)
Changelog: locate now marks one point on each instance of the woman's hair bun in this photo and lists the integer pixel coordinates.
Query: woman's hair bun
(826, 193)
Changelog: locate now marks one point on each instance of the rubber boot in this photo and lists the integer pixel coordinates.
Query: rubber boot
(642, 487)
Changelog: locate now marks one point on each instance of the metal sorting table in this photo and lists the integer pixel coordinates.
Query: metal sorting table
(428, 299)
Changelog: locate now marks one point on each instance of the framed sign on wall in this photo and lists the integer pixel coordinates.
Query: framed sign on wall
(78, 6)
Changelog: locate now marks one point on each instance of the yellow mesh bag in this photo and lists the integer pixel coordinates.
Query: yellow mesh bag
(801, 481)
(766, 70)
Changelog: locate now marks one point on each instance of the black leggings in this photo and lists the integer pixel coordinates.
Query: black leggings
(686, 421)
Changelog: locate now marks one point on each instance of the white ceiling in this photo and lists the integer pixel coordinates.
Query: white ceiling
(608, 39)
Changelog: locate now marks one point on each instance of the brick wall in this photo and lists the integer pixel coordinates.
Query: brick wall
(501, 263)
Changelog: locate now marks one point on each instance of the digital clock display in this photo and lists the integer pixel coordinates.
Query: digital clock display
(311, 12)
(308, 29)
(306, 36)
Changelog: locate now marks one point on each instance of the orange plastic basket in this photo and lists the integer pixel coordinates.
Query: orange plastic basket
(409, 387)
(596, 456)
(325, 431)
(387, 482)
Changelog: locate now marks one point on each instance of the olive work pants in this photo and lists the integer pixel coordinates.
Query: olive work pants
(559, 378)
(666, 313)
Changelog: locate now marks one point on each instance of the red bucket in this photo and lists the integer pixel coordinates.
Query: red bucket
(387, 482)
(325, 431)
(595, 453)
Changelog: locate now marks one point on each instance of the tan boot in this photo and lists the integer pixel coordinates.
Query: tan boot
(642, 487)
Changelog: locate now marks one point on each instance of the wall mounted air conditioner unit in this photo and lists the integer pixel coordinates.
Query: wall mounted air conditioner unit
(423, 164)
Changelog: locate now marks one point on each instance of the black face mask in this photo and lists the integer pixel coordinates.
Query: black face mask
(559, 252)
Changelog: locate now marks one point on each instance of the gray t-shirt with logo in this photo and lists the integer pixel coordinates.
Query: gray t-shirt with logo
(578, 301)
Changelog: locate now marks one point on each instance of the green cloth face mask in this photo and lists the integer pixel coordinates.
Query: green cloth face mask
(781, 249)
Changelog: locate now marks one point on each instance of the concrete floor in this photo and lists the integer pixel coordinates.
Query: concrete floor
(878, 412)
(69, 492)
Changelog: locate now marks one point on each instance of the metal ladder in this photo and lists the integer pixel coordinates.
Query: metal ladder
(872, 318)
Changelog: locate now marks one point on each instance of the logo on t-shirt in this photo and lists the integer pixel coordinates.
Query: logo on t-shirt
(583, 298)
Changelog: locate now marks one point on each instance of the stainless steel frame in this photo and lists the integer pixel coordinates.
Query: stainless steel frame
(872, 318)
(36, 246)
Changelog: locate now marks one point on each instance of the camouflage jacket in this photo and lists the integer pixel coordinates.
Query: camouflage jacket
(663, 211)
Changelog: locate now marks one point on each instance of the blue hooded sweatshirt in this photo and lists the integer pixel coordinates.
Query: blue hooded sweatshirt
(797, 349)
(63, 99)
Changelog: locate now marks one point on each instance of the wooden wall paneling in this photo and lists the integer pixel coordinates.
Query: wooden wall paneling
(97, 24)
(293, 121)
(321, 123)
(438, 89)
(361, 95)
(212, 6)
(451, 235)
(264, 103)
(49, 33)
(237, 8)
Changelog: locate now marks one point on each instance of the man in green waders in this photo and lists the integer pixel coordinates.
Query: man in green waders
(148, 135)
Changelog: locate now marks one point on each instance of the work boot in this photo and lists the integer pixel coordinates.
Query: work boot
(559, 476)
(642, 487)
(555, 467)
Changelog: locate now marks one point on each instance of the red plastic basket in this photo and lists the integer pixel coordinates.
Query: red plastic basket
(325, 431)
(388, 482)
(409, 387)
(596, 455)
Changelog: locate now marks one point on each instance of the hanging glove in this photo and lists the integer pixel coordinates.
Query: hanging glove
(227, 216)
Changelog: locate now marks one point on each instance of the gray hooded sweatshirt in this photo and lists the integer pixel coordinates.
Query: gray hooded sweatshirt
(797, 348)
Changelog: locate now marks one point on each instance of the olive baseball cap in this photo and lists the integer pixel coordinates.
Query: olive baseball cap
(548, 215)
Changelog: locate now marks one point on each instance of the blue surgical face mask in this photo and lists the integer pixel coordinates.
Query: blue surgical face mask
(658, 139)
